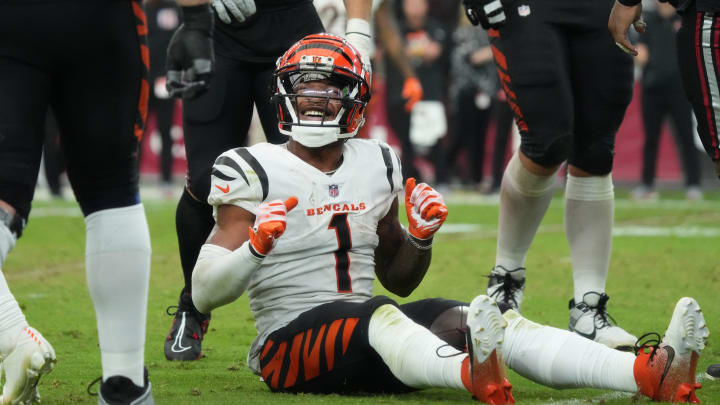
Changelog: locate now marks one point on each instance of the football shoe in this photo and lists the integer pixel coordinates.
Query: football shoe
(120, 390)
(713, 371)
(486, 330)
(184, 342)
(589, 319)
(665, 371)
(23, 366)
(507, 286)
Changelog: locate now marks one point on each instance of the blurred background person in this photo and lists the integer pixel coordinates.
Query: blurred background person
(471, 98)
(663, 97)
(426, 43)
(163, 18)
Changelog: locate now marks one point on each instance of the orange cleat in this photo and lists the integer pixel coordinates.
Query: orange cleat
(665, 371)
(483, 371)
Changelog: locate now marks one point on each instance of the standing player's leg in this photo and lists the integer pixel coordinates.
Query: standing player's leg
(24, 91)
(531, 57)
(697, 43)
(602, 77)
(101, 107)
(214, 122)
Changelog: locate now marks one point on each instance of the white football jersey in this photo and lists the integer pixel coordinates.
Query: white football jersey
(327, 250)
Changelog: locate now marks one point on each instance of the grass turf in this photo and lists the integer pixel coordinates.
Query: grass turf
(648, 274)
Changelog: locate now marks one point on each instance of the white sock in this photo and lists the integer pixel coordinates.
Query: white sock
(117, 257)
(562, 359)
(524, 199)
(589, 206)
(410, 351)
(12, 320)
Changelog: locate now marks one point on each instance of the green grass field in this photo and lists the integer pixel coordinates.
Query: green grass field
(662, 251)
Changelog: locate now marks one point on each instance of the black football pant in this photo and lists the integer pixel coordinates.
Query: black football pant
(698, 42)
(88, 61)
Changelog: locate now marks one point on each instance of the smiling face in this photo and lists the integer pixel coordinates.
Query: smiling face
(313, 102)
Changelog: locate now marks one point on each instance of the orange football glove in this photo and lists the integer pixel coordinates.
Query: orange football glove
(425, 208)
(412, 91)
(270, 224)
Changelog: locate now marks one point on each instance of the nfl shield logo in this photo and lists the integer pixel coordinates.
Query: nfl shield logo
(334, 190)
(524, 10)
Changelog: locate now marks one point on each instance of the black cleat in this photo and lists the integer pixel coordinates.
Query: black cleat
(184, 342)
(119, 390)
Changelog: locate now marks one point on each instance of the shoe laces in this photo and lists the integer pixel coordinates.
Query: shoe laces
(509, 288)
(649, 340)
(601, 316)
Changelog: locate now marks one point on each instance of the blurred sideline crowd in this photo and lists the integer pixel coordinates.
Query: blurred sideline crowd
(461, 133)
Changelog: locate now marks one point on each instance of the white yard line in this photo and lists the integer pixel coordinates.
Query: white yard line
(618, 231)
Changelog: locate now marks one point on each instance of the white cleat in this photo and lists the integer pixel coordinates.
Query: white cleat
(486, 332)
(687, 331)
(666, 371)
(589, 319)
(22, 368)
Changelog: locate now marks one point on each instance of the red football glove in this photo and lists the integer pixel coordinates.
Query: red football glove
(412, 92)
(270, 224)
(425, 208)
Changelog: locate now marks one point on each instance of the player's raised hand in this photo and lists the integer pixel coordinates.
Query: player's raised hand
(425, 208)
(190, 55)
(622, 17)
(270, 222)
(240, 9)
(487, 13)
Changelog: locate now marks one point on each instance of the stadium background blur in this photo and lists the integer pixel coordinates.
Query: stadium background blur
(450, 170)
(662, 250)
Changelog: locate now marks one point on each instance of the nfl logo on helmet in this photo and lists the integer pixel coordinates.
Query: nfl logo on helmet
(334, 190)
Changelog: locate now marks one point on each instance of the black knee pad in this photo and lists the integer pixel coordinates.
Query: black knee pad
(451, 326)
(546, 153)
(595, 158)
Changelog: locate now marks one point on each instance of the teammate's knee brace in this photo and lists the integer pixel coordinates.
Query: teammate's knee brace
(595, 158)
(547, 154)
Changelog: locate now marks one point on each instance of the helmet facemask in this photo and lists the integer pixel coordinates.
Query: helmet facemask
(319, 101)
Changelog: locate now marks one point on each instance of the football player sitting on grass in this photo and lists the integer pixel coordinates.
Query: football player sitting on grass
(305, 227)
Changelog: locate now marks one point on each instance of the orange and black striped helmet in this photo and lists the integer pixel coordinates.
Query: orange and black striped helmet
(319, 57)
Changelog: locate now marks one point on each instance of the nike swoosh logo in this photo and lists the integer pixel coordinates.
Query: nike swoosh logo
(224, 190)
(670, 357)
(590, 336)
(177, 346)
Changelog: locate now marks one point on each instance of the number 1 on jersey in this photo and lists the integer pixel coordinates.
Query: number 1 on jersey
(339, 223)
